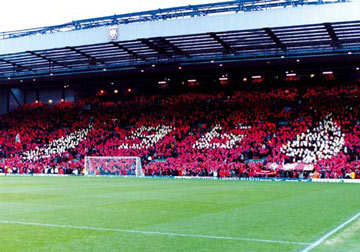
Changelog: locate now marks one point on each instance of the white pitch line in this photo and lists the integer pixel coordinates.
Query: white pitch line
(330, 233)
(151, 232)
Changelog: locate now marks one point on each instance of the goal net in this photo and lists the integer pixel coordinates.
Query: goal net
(113, 166)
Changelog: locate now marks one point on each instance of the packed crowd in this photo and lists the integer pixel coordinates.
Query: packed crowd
(284, 132)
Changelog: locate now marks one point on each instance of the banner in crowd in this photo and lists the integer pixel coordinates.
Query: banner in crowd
(228, 141)
(149, 136)
(58, 146)
(322, 142)
(291, 167)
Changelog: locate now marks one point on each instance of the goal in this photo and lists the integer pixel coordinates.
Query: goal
(113, 166)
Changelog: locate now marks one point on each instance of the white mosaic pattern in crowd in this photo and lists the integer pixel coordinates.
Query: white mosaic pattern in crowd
(205, 141)
(322, 142)
(147, 141)
(58, 146)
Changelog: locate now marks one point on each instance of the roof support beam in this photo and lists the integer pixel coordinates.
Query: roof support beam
(48, 59)
(173, 47)
(11, 93)
(275, 38)
(16, 66)
(335, 40)
(289, 45)
(227, 48)
(152, 46)
(89, 57)
(129, 51)
(163, 47)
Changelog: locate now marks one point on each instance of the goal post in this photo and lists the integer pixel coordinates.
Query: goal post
(113, 166)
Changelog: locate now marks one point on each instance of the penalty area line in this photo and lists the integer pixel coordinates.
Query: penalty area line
(151, 232)
(330, 233)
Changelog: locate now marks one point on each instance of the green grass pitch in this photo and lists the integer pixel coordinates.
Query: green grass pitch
(100, 214)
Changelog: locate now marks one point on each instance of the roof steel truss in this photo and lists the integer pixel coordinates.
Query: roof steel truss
(247, 44)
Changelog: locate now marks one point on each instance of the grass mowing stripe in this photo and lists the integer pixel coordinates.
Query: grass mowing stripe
(330, 233)
(151, 232)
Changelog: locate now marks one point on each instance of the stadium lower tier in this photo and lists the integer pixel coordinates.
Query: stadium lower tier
(293, 132)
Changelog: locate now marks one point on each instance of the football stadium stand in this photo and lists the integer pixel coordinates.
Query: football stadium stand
(285, 132)
(228, 126)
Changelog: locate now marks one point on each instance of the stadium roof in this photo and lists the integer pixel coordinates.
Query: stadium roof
(168, 13)
(310, 40)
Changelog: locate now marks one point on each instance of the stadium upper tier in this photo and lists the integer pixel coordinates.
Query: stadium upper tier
(244, 133)
(310, 29)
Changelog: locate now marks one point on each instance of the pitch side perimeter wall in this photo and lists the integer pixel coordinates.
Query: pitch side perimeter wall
(304, 15)
(342, 181)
